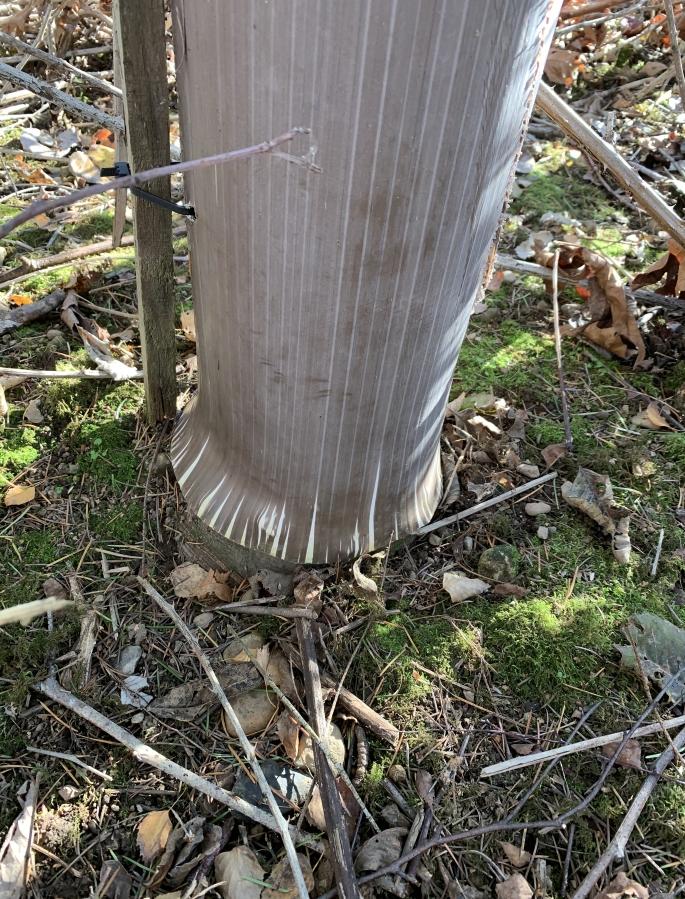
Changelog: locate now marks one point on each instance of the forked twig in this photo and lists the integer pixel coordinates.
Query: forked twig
(247, 747)
(43, 207)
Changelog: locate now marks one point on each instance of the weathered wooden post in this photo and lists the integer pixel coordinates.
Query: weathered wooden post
(330, 307)
(141, 46)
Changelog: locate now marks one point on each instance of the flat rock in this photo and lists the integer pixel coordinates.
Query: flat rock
(543, 532)
(254, 709)
(534, 509)
(499, 563)
(203, 620)
(528, 471)
(128, 659)
(336, 744)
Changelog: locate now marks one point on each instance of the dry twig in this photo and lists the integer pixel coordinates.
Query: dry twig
(557, 344)
(248, 748)
(677, 61)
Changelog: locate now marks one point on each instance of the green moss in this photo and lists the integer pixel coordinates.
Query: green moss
(39, 546)
(122, 523)
(18, 449)
(564, 192)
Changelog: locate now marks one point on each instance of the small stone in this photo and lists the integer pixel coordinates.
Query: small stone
(203, 620)
(68, 792)
(397, 774)
(528, 471)
(53, 332)
(552, 530)
(534, 509)
(468, 544)
(500, 563)
(490, 315)
(255, 710)
(284, 779)
(336, 744)
(434, 540)
(569, 309)
(58, 344)
(128, 659)
(543, 532)
(137, 718)
(392, 816)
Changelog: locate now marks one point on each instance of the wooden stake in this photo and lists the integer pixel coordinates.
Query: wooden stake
(142, 48)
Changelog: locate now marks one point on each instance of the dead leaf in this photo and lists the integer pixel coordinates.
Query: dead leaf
(367, 584)
(514, 887)
(307, 587)
(33, 414)
(205, 840)
(523, 748)
(630, 755)
(656, 417)
(592, 494)
(621, 887)
(559, 65)
(14, 852)
(19, 496)
(380, 850)
(661, 647)
(460, 587)
(670, 267)
(282, 883)
(115, 881)
(153, 833)
(517, 856)
(164, 864)
(38, 176)
(509, 590)
(424, 786)
(20, 299)
(190, 699)
(289, 734)
(552, 453)
(255, 711)
(239, 874)
(190, 580)
(188, 325)
(103, 136)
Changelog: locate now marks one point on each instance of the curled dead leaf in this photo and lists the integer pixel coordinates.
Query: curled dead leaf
(516, 855)
(153, 833)
(553, 453)
(630, 755)
(380, 850)
(621, 887)
(514, 887)
(19, 496)
(424, 786)
(367, 584)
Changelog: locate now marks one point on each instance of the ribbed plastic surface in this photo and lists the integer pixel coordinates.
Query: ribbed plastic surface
(330, 307)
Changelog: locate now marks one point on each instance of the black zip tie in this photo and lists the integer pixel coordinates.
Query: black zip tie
(122, 170)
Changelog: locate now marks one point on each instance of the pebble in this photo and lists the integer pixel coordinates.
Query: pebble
(68, 792)
(569, 309)
(336, 745)
(286, 780)
(397, 774)
(434, 540)
(137, 718)
(499, 563)
(468, 544)
(490, 315)
(543, 532)
(203, 620)
(53, 332)
(534, 509)
(528, 471)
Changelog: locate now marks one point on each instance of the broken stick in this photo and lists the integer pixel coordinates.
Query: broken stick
(248, 748)
(150, 756)
(615, 851)
(583, 135)
(535, 758)
(472, 510)
(336, 825)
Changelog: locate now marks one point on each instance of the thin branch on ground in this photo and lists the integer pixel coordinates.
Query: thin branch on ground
(247, 747)
(557, 344)
(675, 49)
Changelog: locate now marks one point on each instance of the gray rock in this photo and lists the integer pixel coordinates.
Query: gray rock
(53, 332)
(291, 783)
(500, 563)
(392, 815)
(569, 309)
(534, 509)
(490, 315)
(128, 659)
(543, 532)
(203, 620)
(528, 471)
(58, 344)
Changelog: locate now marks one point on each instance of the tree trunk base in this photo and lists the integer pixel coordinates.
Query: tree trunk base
(199, 543)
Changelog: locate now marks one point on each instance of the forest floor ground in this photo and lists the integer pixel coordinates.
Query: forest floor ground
(463, 682)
